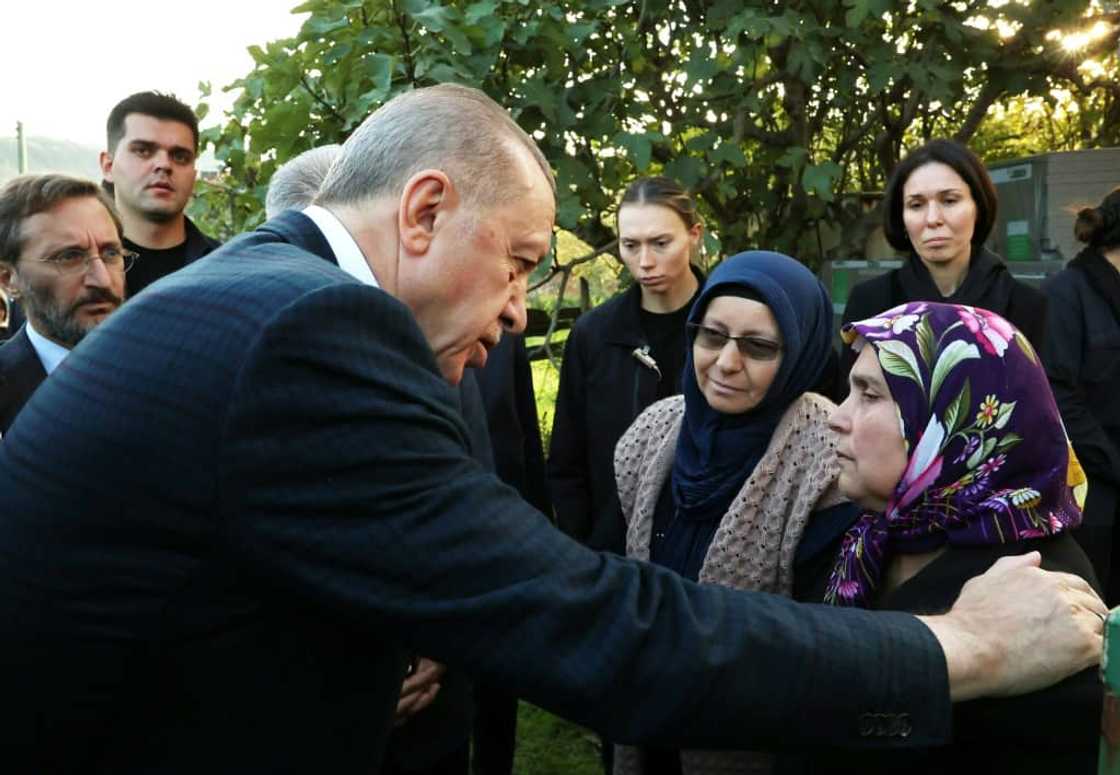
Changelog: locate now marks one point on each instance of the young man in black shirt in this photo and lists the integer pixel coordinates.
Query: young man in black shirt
(150, 165)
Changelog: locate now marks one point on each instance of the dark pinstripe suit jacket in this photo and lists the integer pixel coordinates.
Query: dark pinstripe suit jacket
(236, 504)
(21, 371)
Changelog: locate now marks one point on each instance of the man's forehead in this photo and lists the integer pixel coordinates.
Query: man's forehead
(71, 219)
(141, 126)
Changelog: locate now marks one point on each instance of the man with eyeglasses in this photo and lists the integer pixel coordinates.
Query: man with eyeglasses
(149, 166)
(61, 256)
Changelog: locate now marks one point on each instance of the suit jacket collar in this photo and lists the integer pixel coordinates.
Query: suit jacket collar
(297, 229)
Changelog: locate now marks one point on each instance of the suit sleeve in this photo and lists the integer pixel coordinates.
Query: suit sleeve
(1063, 354)
(568, 466)
(347, 486)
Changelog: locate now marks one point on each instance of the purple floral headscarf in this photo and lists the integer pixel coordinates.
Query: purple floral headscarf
(990, 461)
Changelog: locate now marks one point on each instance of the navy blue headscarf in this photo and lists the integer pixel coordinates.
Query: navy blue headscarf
(716, 452)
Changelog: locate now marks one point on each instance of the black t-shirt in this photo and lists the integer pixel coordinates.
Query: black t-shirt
(667, 344)
(153, 264)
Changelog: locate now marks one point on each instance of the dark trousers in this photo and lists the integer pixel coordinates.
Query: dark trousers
(495, 731)
(455, 763)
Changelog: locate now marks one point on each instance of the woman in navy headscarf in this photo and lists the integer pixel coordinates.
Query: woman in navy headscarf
(720, 482)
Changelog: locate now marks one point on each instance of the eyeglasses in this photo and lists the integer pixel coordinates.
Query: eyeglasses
(73, 261)
(754, 347)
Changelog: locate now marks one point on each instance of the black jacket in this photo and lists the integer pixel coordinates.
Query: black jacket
(506, 384)
(990, 286)
(21, 371)
(1048, 731)
(603, 387)
(1082, 355)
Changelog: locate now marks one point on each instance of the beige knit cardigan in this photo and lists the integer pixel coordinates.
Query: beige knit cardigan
(754, 545)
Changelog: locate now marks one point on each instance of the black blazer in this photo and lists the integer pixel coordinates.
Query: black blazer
(21, 371)
(1055, 730)
(241, 501)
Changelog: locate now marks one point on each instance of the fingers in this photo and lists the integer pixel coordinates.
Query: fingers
(1015, 561)
(426, 673)
(1070, 581)
(409, 706)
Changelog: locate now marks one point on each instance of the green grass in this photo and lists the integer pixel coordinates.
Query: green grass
(548, 745)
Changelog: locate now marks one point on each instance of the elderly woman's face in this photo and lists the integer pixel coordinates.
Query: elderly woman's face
(734, 374)
(871, 448)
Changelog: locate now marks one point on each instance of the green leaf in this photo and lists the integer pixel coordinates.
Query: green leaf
(686, 169)
(541, 94)
(956, 414)
(857, 12)
(705, 141)
(638, 148)
(728, 153)
(818, 178)
(444, 20)
(336, 54)
(319, 27)
(379, 69)
(980, 454)
(897, 358)
(701, 65)
(925, 341)
(1004, 414)
(577, 33)
(1008, 441)
(476, 12)
(568, 211)
(793, 157)
(954, 353)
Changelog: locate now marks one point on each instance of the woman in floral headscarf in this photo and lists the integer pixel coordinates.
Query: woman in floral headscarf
(952, 443)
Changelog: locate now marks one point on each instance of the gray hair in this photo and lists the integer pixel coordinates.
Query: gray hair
(452, 128)
(295, 184)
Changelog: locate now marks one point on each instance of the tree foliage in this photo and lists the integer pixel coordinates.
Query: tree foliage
(771, 112)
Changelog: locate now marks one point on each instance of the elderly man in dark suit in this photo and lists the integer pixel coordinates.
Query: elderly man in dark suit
(240, 504)
(61, 255)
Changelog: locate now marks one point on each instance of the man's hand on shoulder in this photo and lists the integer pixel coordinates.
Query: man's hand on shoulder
(1017, 629)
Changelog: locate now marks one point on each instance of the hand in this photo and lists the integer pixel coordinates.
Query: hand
(418, 690)
(1017, 628)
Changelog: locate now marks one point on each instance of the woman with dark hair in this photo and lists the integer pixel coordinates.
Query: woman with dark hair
(719, 483)
(940, 207)
(1082, 355)
(951, 442)
(622, 356)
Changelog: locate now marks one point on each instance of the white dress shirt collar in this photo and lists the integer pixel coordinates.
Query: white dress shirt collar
(346, 250)
(50, 353)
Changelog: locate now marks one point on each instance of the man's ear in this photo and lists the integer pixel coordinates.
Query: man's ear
(106, 162)
(426, 203)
